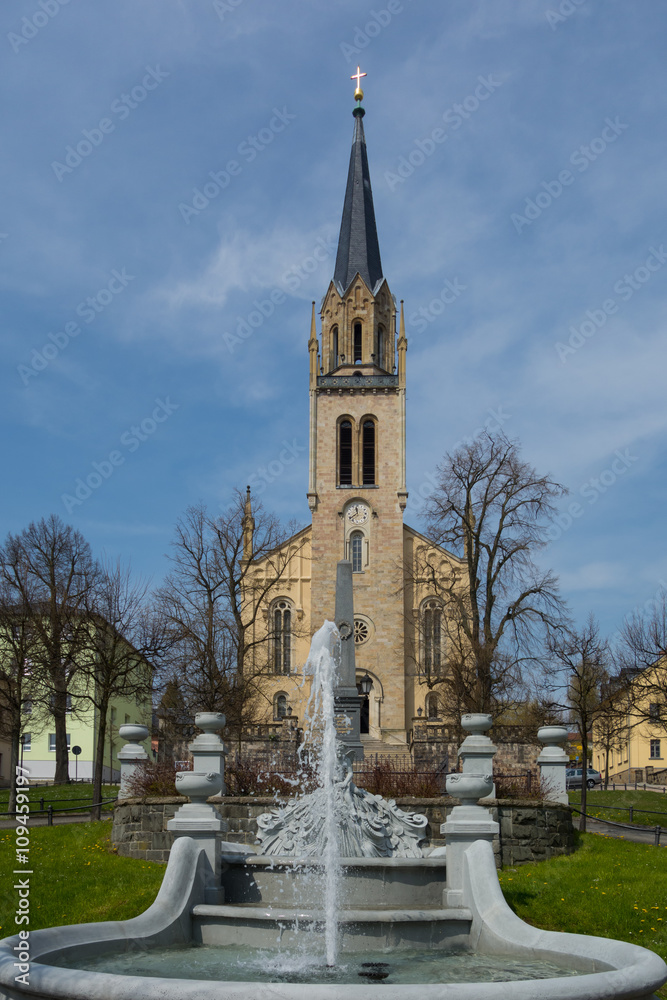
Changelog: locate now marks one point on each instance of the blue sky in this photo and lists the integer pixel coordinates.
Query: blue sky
(517, 157)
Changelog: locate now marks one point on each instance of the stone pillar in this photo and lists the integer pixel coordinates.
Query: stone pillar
(131, 755)
(553, 763)
(207, 749)
(469, 821)
(200, 821)
(346, 697)
(477, 750)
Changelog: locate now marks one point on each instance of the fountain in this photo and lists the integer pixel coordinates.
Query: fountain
(339, 891)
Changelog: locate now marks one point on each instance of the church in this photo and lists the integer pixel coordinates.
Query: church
(357, 496)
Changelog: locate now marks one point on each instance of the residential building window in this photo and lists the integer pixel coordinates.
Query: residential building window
(654, 710)
(27, 707)
(27, 741)
(431, 706)
(432, 622)
(655, 750)
(52, 742)
(282, 637)
(280, 706)
(357, 343)
(368, 453)
(345, 453)
(68, 702)
(356, 551)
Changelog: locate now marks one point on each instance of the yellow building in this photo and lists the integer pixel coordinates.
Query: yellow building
(632, 743)
(39, 738)
(357, 496)
(37, 750)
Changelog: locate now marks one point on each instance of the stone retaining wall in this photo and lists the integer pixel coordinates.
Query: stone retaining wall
(529, 830)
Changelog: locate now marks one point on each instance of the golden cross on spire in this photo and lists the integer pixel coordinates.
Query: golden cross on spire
(358, 94)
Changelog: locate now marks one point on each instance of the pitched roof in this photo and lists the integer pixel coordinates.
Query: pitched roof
(358, 247)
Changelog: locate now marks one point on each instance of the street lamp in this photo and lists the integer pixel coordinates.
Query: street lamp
(364, 685)
(22, 742)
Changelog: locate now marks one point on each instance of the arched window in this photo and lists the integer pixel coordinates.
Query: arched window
(432, 621)
(280, 706)
(282, 637)
(357, 343)
(334, 347)
(368, 453)
(380, 350)
(356, 550)
(431, 706)
(345, 453)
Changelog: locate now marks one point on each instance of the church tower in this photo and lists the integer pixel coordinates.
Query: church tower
(357, 491)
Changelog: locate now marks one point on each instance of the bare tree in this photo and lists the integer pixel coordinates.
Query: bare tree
(225, 569)
(17, 638)
(124, 636)
(581, 675)
(493, 510)
(641, 658)
(50, 569)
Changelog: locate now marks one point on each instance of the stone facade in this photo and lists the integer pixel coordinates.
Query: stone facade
(529, 830)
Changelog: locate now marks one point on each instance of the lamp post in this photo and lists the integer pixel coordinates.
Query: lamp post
(22, 742)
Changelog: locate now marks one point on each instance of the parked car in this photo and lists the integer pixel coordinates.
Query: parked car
(573, 777)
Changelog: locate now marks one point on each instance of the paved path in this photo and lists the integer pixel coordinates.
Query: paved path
(623, 831)
(35, 820)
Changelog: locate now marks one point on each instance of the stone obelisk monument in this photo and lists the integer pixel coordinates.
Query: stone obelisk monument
(347, 701)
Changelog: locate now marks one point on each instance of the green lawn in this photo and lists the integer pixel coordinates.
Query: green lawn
(75, 877)
(608, 887)
(653, 801)
(61, 795)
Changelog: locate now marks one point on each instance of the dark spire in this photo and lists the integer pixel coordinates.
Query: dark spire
(358, 247)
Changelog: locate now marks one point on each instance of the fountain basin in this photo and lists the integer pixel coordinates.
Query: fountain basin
(487, 926)
(287, 881)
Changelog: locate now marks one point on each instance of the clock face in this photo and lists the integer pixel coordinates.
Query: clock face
(357, 513)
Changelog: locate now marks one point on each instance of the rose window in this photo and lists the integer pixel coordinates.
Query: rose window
(361, 631)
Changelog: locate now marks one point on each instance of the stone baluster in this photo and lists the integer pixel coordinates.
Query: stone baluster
(469, 821)
(553, 762)
(207, 749)
(131, 755)
(200, 821)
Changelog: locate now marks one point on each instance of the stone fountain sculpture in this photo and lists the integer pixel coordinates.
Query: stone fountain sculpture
(395, 897)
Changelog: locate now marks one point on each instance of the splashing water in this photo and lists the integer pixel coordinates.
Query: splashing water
(320, 729)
